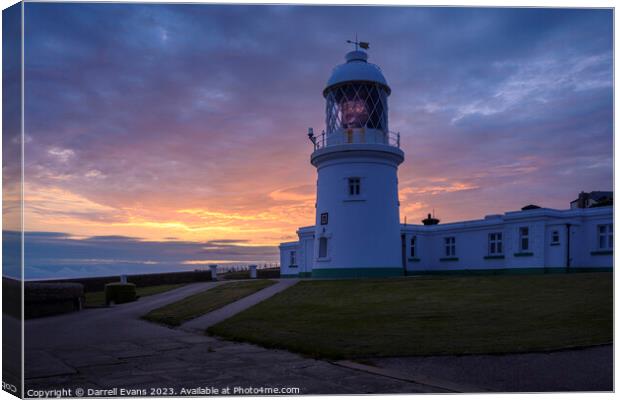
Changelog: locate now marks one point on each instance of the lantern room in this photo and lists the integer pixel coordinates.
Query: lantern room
(356, 103)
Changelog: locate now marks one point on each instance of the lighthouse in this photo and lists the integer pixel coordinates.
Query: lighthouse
(357, 230)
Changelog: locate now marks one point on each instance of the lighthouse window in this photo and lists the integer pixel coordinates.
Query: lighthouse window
(450, 243)
(356, 105)
(354, 186)
(323, 247)
(412, 252)
(354, 113)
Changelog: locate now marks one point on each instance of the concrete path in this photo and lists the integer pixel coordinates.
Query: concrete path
(441, 385)
(200, 324)
(587, 369)
(93, 326)
(106, 348)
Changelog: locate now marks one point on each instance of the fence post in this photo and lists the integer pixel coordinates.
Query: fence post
(213, 268)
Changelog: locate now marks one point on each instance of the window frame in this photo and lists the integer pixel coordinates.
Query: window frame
(354, 186)
(412, 247)
(524, 236)
(292, 258)
(495, 244)
(606, 236)
(555, 236)
(323, 247)
(450, 246)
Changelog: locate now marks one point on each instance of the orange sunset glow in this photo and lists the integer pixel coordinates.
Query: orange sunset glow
(167, 126)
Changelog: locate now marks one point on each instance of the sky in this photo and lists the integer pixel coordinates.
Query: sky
(163, 136)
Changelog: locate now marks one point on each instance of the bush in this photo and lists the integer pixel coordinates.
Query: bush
(119, 292)
(12, 297)
(43, 299)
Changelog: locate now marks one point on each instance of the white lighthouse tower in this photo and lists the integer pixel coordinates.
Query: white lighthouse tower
(357, 231)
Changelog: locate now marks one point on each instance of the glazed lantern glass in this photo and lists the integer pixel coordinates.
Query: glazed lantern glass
(356, 105)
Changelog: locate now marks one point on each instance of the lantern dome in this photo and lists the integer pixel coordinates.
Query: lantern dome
(356, 69)
(356, 105)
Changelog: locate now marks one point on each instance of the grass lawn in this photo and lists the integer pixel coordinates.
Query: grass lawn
(175, 314)
(431, 315)
(97, 299)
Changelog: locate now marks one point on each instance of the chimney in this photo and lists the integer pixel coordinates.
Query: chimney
(430, 220)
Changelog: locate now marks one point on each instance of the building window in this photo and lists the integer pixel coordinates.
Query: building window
(606, 237)
(555, 237)
(495, 244)
(293, 260)
(323, 247)
(354, 186)
(450, 243)
(524, 238)
(412, 247)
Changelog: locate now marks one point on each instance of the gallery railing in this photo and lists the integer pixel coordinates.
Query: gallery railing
(356, 136)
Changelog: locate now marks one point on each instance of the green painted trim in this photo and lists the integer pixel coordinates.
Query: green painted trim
(511, 271)
(602, 253)
(414, 259)
(356, 272)
(554, 244)
(298, 275)
(524, 254)
(449, 259)
(590, 269)
(494, 257)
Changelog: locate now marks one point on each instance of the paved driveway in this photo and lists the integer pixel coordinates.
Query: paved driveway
(110, 348)
(589, 369)
(95, 326)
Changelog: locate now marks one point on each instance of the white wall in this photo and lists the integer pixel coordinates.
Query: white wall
(285, 265)
(363, 231)
(306, 241)
(472, 242)
(583, 256)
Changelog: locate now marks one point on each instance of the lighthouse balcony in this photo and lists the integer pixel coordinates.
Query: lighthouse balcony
(357, 136)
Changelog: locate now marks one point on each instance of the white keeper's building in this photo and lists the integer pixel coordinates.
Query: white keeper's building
(357, 231)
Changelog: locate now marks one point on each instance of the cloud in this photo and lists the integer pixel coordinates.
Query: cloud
(52, 203)
(302, 193)
(538, 80)
(433, 189)
(159, 121)
(59, 255)
(93, 173)
(62, 155)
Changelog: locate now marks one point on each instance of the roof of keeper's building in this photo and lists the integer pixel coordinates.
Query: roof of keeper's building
(357, 68)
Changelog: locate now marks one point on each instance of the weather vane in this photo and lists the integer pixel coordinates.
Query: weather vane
(363, 45)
